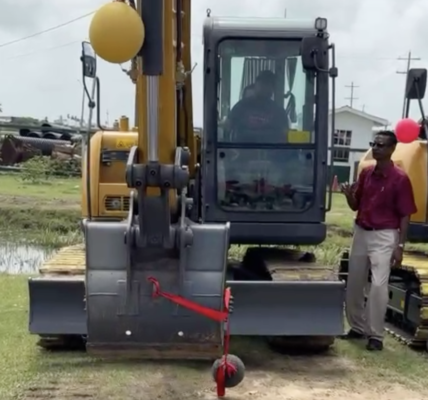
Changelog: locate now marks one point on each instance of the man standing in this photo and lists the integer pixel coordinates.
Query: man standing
(383, 198)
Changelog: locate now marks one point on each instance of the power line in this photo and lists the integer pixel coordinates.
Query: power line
(409, 59)
(42, 50)
(366, 57)
(351, 98)
(46, 30)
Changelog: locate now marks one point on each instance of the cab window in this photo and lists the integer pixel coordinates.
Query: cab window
(265, 130)
(265, 95)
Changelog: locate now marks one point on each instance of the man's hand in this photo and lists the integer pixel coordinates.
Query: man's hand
(222, 121)
(397, 257)
(346, 189)
(349, 192)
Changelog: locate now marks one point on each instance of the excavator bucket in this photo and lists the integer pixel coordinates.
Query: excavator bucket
(123, 316)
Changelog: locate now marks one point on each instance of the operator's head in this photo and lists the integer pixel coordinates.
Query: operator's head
(248, 91)
(383, 145)
(265, 84)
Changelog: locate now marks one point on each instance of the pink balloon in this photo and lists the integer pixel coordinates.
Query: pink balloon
(407, 130)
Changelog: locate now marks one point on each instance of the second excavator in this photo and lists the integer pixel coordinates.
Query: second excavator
(153, 279)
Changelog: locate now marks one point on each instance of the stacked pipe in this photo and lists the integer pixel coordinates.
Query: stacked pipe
(18, 149)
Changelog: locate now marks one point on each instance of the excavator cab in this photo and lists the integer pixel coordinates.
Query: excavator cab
(267, 156)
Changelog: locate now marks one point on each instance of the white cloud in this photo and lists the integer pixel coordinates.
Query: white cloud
(40, 76)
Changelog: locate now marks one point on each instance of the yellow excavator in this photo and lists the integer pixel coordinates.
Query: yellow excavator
(163, 206)
(407, 315)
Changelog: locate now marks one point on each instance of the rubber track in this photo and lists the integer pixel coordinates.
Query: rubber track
(416, 265)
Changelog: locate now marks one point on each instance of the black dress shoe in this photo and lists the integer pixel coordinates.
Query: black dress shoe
(374, 345)
(353, 335)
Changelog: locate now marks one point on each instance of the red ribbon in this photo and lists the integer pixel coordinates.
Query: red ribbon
(225, 368)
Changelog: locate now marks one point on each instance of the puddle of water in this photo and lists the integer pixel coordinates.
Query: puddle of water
(22, 259)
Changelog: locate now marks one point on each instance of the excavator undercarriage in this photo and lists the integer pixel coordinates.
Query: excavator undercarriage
(407, 314)
(292, 277)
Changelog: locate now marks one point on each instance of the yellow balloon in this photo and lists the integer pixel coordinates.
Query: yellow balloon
(116, 32)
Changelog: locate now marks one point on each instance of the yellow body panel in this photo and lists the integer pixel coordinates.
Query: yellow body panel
(108, 180)
(412, 158)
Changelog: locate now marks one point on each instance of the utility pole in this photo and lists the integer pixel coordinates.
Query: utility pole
(351, 98)
(409, 60)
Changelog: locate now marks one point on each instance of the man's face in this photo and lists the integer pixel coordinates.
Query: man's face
(382, 147)
(249, 93)
(263, 90)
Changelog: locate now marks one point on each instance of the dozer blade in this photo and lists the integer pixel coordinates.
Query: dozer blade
(287, 308)
(57, 306)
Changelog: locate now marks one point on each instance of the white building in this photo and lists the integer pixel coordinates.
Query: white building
(352, 137)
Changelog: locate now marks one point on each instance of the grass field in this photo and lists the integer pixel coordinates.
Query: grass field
(52, 211)
(45, 214)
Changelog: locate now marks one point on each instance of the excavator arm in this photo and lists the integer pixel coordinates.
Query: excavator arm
(161, 71)
(171, 106)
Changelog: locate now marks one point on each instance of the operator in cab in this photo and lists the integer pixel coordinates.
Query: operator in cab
(257, 118)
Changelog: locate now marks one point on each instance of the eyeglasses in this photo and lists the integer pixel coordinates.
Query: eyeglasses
(379, 145)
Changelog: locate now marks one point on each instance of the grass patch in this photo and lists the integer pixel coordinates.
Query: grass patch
(396, 362)
(67, 189)
(16, 345)
(50, 228)
(45, 214)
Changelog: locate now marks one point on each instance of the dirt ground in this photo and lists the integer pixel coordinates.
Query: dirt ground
(332, 377)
